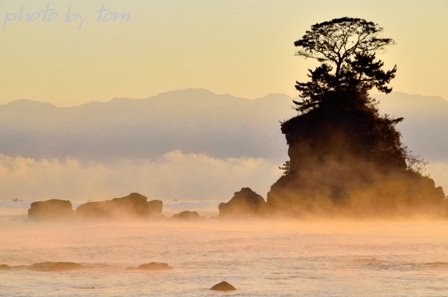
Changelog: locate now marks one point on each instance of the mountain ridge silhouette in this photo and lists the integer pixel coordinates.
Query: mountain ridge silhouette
(191, 120)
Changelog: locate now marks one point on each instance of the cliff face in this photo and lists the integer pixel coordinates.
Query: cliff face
(348, 160)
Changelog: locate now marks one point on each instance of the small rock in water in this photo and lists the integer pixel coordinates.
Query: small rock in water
(51, 210)
(244, 204)
(187, 215)
(223, 286)
(4, 267)
(154, 266)
(55, 266)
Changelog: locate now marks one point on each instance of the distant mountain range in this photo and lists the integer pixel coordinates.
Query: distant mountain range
(193, 121)
(425, 124)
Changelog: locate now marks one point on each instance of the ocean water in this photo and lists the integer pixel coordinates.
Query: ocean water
(259, 258)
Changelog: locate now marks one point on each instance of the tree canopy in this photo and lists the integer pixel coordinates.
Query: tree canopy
(346, 48)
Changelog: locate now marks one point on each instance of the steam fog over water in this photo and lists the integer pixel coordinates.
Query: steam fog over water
(260, 258)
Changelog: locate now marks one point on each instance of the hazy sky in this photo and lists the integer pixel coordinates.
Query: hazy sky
(241, 47)
(69, 52)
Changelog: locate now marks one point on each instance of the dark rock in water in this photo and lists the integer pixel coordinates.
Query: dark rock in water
(155, 208)
(223, 286)
(55, 266)
(53, 209)
(93, 210)
(187, 215)
(154, 266)
(245, 203)
(132, 206)
(4, 267)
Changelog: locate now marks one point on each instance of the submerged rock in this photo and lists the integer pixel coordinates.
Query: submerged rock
(53, 209)
(223, 286)
(132, 206)
(153, 266)
(187, 215)
(245, 203)
(55, 266)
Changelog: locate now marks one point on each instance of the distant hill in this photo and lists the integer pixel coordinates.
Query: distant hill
(425, 123)
(191, 120)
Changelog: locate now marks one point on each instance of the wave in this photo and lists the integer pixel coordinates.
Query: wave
(368, 261)
(388, 265)
(442, 265)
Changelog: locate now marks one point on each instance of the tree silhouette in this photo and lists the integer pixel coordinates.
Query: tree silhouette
(347, 49)
(337, 93)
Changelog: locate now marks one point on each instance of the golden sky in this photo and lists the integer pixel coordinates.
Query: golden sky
(139, 48)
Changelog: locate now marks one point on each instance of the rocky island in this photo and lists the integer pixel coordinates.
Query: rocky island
(345, 159)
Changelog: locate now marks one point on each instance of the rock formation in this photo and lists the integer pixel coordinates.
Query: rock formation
(152, 266)
(223, 286)
(347, 160)
(132, 206)
(245, 203)
(187, 215)
(55, 266)
(155, 208)
(53, 209)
